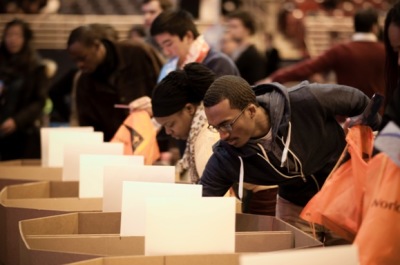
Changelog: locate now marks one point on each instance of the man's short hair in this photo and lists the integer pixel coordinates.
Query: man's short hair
(174, 22)
(246, 18)
(164, 4)
(365, 19)
(234, 88)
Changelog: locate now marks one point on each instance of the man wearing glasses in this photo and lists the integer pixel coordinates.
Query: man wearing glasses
(272, 135)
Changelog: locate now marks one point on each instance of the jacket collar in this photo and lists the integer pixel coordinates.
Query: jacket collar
(364, 37)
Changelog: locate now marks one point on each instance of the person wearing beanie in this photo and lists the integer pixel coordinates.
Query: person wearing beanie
(177, 106)
(273, 135)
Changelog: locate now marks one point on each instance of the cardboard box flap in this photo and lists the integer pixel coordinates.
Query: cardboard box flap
(43, 189)
(52, 225)
(113, 244)
(124, 260)
(249, 222)
(73, 223)
(29, 169)
(61, 196)
(104, 245)
(261, 241)
(209, 259)
(21, 162)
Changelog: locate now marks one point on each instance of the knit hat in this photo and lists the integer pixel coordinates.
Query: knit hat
(231, 81)
(181, 87)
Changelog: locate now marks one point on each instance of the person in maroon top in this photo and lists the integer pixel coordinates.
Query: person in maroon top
(392, 43)
(359, 63)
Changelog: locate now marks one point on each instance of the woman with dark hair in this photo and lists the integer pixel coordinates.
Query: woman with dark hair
(177, 106)
(23, 92)
(392, 45)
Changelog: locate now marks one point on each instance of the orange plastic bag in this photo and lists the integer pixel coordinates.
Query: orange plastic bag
(338, 205)
(378, 237)
(138, 135)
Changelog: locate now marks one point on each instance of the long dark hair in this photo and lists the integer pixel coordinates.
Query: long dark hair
(23, 60)
(391, 65)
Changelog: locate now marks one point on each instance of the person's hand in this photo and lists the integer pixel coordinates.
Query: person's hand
(8, 127)
(346, 125)
(142, 103)
(264, 81)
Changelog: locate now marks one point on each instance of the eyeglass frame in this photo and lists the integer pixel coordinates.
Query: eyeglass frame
(227, 127)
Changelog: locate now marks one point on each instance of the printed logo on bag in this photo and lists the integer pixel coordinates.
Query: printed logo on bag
(136, 138)
(392, 206)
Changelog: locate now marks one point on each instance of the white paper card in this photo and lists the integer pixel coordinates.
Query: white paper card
(343, 255)
(59, 139)
(44, 139)
(91, 171)
(134, 196)
(114, 175)
(73, 151)
(176, 226)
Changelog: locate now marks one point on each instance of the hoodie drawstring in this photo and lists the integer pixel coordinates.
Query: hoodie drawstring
(287, 143)
(241, 179)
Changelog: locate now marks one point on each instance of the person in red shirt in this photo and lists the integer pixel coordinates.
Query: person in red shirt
(359, 63)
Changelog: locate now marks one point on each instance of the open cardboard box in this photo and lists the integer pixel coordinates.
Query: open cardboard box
(80, 236)
(32, 200)
(26, 170)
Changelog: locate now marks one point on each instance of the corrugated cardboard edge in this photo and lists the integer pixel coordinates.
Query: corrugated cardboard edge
(29, 169)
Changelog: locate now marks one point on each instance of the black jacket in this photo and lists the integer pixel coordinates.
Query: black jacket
(134, 75)
(306, 113)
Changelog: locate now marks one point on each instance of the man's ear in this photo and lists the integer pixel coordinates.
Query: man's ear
(252, 108)
(189, 35)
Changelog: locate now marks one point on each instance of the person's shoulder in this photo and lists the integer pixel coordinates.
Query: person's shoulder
(252, 49)
(207, 136)
(132, 52)
(220, 63)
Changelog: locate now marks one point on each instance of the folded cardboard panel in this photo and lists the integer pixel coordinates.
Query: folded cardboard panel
(28, 170)
(209, 259)
(248, 223)
(33, 200)
(77, 234)
(124, 260)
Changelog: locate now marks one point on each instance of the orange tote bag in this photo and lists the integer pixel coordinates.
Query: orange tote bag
(378, 239)
(338, 205)
(138, 135)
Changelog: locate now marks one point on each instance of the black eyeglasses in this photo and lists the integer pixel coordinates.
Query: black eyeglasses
(227, 127)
